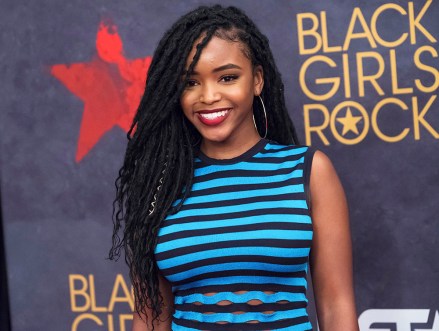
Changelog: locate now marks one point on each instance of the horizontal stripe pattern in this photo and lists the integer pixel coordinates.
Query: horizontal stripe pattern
(244, 233)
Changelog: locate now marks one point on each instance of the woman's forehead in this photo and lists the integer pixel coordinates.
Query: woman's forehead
(218, 50)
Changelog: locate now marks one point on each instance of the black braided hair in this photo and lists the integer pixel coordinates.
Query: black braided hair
(158, 166)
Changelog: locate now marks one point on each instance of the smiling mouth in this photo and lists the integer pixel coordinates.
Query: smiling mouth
(213, 118)
(214, 115)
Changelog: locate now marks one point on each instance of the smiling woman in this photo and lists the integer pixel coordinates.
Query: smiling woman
(220, 224)
(218, 97)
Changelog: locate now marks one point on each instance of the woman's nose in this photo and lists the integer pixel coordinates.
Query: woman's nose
(209, 94)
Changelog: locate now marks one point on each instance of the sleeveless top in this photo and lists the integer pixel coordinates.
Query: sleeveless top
(243, 234)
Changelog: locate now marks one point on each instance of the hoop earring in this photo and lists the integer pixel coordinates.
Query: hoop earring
(265, 115)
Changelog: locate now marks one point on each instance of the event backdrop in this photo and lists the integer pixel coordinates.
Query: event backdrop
(361, 84)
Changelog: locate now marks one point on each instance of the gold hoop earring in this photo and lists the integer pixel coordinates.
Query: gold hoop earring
(265, 115)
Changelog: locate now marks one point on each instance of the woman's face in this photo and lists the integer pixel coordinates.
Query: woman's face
(219, 96)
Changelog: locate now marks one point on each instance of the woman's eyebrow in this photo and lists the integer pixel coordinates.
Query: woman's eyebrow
(221, 68)
(227, 66)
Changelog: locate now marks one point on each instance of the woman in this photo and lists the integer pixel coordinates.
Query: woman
(215, 193)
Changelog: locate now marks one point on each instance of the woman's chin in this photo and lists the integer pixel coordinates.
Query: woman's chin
(217, 137)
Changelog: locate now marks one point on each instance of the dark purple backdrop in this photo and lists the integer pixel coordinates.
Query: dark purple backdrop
(57, 173)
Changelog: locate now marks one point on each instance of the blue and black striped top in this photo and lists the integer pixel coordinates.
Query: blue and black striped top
(236, 254)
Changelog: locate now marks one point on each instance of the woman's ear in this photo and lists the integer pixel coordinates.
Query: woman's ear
(258, 78)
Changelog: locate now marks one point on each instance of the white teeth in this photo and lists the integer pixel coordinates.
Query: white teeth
(212, 116)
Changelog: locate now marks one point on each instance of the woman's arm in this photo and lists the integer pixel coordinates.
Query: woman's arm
(331, 252)
(144, 323)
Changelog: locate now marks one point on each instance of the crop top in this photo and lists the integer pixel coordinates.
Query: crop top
(236, 253)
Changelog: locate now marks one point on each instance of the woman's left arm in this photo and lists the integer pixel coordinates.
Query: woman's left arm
(331, 252)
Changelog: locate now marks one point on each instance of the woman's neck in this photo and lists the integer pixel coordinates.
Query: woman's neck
(232, 147)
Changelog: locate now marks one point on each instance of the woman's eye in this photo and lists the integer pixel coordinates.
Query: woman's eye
(229, 78)
(191, 83)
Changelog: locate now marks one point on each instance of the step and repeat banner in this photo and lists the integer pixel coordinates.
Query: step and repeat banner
(361, 84)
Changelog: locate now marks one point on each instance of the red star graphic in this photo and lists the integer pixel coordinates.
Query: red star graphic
(109, 85)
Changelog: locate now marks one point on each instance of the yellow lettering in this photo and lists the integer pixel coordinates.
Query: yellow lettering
(110, 321)
(415, 22)
(371, 78)
(419, 118)
(373, 25)
(120, 283)
(377, 109)
(422, 66)
(325, 41)
(346, 76)
(122, 319)
(335, 81)
(94, 308)
(74, 293)
(394, 76)
(318, 129)
(82, 317)
(310, 33)
(358, 15)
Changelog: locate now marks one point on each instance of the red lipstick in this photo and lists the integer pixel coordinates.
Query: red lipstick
(213, 116)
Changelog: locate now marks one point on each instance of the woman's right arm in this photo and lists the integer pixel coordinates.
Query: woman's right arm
(165, 319)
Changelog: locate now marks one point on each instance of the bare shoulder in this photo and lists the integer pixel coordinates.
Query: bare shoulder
(327, 194)
(322, 167)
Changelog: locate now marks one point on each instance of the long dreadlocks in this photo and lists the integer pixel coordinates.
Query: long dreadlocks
(158, 166)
